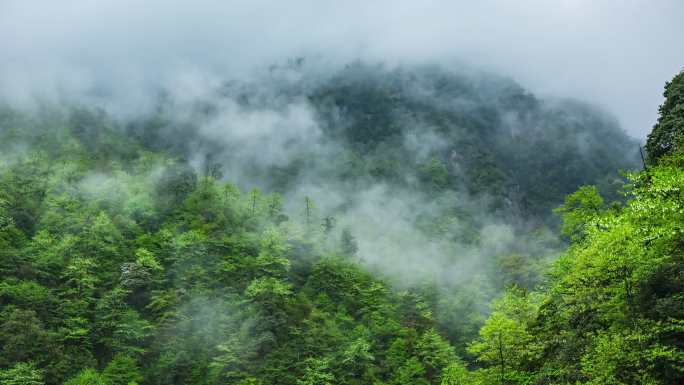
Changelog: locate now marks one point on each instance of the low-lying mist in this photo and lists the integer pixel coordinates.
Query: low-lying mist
(436, 172)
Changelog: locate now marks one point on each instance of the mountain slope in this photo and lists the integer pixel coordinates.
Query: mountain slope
(391, 206)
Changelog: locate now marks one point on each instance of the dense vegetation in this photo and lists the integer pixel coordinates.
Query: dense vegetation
(124, 261)
(426, 129)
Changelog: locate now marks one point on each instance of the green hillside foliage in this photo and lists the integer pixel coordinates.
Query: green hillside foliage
(124, 260)
(612, 311)
(126, 266)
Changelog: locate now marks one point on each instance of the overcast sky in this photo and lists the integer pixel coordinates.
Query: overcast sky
(617, 54)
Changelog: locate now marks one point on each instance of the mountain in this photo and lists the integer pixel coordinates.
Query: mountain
(345, 226)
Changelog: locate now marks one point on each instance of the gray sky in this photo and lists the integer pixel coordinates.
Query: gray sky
(617, 54)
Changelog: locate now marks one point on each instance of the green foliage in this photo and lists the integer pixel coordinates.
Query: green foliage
(21, 374)
(22, 336)
(577, 211)
(613, 312)
(434, 353)
(87, 376)
(455, 374)
(435, 174)
(122, 370)
(505, 344)
(667, 135)
(316, 373)
(410, 372)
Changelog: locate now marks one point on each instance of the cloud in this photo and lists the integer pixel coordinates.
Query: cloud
(614, 53)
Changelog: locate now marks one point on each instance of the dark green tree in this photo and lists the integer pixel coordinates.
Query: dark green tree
(667, 135)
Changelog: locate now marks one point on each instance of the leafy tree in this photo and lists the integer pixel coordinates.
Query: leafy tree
(455, 374)
(122, 370)
(316, 373)
(87, 376)
(578, 209)
(667, 135)
(22, 337)
(410, 372)
(80, 277)
(435, 175)
(271, 261)
(21, 374)
(435, 353)
(505, 344)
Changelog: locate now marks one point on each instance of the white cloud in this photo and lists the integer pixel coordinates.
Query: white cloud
(614, 53)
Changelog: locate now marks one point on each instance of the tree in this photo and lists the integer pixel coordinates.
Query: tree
(356, 358)
(505, 343)
(175, 184)
(81, 279)
(141, 273)
(328, 225)
(22, 337)
(455, 374)
(122, 370)
(411, 372)
(316, 372)
(667, 136)
(275, 208)
(103, 239)
(435, 175)
(578, 210)
(271, 261)
(23, 373)
(87, 376)
(348, 243)
(254, 198)
(228, 365)
(435, 353)
(269, 291)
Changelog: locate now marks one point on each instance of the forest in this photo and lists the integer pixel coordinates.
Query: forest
(369, 225)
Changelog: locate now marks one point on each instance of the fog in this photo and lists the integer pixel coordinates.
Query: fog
(194, 63)
(616, 54)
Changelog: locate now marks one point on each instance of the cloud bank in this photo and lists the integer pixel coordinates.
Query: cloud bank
(617, 54)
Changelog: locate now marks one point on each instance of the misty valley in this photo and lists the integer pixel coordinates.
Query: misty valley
(369, 224)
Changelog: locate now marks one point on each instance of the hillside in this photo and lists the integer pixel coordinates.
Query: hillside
(347, 227)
